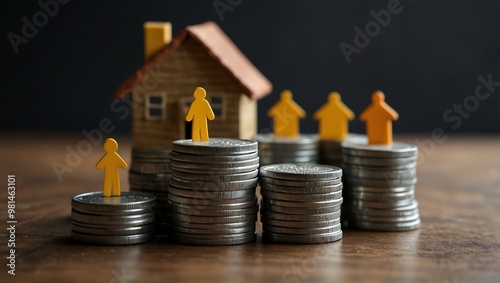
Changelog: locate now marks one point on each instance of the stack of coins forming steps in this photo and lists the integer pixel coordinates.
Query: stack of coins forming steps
(118, 220)
(212, 197)
(301, 203)
(330, 150)
(150, 173)
(380, 186)
(301, 150)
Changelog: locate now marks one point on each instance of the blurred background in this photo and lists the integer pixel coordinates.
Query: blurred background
(429, 57)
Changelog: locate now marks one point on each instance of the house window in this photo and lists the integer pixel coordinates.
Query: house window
(218, 103)
(155, 106)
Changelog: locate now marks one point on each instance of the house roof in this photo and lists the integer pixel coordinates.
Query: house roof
(218, 46)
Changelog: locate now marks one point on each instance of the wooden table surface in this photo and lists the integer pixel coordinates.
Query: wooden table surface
(459, 241)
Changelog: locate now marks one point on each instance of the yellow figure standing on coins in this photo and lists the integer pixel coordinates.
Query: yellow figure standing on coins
(378, 117)
(111, 161)
(286, 114)
(333, 118)
(199, 112)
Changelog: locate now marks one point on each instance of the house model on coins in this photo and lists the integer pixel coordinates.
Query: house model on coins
(162, 89)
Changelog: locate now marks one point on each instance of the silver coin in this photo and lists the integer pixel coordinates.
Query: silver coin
(150, 153)
(215, 146)
(296, 160)
(381, 190)
(215, 242)
(382, 197)
(380, 183)
(216, 177)
(150, 168)
(268, 209)
(139, 177)
(379, 162)
(207, 159)
(304, 204)
(213, 212)
(300, 172)
(301, 190)
(413, 217)
(375, 173)
(410, 209)
(213, 186)
(177, 234)
(301, 142)
(393, 150)
(122, 221)
(211, 219)
(380, 226)
(217, 170)
(301, 224)
(96, 201)
(112, 231)
(302, 239)
(216, 202)
(301, 197)
(301, 184)
(116, 212)
(212, 195)
(311, 218)
(113, 240)
(381, 205)
(212, 231)
(160, 195)
(218, 165)
(211, 225)
(300, 231)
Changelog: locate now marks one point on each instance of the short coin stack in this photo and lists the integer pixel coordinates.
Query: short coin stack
(380, 186)
(301, 150)
(118, 220)
(212, 197)
(150, 173)
(330, 150)
(301, 203)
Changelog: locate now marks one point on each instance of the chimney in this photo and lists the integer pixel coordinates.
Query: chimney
(156, 35)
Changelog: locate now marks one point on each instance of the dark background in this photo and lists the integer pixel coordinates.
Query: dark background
(427, 58)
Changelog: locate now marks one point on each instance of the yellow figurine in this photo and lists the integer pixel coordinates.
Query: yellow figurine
(379, 116)
(111, 160)
(286, 114)
(199, 112)
(333, 118)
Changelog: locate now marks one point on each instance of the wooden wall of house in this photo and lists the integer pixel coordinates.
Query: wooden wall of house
(188, 67)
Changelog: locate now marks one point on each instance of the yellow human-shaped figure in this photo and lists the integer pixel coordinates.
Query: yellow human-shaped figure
(286, 114)
(111, 161)
(333, 118)
(378, 117)
(198, 112)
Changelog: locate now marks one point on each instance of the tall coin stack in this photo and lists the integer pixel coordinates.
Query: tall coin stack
(150, 173)
(212, 197)
(301, 150)
(118, 220)
(380, 186)
(330, 150)
(301, 203)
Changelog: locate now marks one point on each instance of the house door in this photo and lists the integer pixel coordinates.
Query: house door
(186, 127)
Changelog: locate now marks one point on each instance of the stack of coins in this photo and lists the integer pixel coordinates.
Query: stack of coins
(118, 220)
(301, 150)
(212, 197)
(330, 150)
(380, 186)
(301, 203)
(150, 173)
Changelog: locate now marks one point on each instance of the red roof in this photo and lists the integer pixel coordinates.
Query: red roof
(220, 48)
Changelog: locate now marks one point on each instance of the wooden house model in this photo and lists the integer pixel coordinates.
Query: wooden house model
(162, 89)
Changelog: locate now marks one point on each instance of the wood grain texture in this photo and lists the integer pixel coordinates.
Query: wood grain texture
(459, 241)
